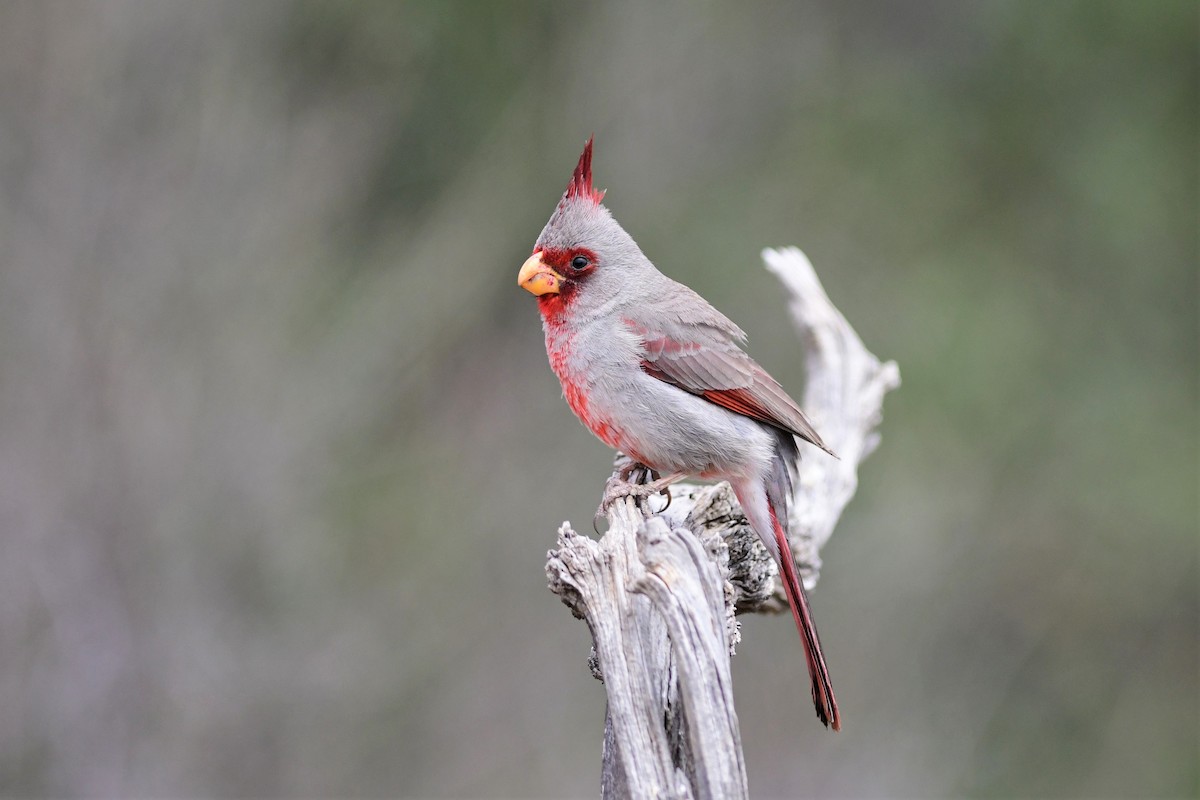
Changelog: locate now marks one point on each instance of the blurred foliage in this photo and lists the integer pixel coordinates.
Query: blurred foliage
(274, 412)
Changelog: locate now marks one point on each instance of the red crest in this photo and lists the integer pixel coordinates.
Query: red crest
(581, 178)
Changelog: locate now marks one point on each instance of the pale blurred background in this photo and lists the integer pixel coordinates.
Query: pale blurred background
(281, 456)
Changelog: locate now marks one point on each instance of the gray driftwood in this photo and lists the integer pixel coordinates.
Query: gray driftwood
(659, 591)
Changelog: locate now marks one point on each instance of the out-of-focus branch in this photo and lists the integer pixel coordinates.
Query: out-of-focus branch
(659, 590)
(844, 399)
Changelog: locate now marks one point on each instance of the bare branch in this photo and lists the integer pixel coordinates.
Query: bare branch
(844, 398)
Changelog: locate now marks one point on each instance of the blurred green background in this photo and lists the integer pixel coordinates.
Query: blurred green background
(281, 456)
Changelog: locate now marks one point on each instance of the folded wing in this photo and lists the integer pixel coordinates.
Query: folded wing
(708, 363)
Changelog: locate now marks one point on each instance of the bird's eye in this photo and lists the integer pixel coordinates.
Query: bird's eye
(579, 263)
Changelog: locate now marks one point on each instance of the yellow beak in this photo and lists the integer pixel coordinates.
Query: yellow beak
(537, 278)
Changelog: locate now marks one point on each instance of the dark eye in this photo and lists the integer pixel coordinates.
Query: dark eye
(579, 263)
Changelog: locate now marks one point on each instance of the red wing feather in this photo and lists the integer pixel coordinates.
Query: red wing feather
(724, 375)
(742, 402)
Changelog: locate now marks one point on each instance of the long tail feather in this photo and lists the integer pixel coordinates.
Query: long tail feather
(822, 688)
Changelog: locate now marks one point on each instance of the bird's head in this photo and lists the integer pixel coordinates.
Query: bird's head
(583, 260)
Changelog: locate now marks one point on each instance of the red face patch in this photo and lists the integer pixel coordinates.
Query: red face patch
(574, 264)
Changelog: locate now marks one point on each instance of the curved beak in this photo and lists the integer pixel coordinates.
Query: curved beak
(537, 278)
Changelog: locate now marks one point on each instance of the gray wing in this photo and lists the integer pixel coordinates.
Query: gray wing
(697, 350)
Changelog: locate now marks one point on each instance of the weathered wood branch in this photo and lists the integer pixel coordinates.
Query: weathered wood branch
(659, 591)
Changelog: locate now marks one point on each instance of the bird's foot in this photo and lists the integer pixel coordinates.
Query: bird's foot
(639, 482)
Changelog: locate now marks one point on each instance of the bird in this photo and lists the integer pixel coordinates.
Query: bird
(659, 374)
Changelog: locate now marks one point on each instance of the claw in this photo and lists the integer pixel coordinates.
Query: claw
(620, 486)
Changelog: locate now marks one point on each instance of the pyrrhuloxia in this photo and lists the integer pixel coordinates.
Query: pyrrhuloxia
(656, 372)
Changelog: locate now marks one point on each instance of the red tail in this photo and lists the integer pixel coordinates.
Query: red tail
(822, 689)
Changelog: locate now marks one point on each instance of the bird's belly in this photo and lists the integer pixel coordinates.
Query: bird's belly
(670, 430)
(655, 423)
(598, 418)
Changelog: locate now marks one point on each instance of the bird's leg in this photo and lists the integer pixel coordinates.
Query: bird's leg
(631, 481)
